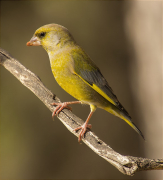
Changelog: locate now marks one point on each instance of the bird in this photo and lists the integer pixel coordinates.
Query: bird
(78, 75)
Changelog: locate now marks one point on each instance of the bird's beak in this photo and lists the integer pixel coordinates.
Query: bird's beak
(34, 42)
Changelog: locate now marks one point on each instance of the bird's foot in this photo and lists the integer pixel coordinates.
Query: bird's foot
(59, 107)
(83, 128)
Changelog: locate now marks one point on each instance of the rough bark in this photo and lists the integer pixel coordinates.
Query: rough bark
(126, 164)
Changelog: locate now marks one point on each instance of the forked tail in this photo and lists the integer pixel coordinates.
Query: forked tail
(128, 121)
(124, 115)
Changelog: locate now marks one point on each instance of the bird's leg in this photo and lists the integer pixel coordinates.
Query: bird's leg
(84, 127)
(60, 106)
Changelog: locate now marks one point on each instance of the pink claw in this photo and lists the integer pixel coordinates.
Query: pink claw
(83, 128)
(59, 108)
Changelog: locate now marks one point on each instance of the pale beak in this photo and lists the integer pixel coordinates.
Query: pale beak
(34, 42)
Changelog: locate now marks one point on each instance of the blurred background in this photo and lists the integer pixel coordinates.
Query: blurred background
(124, 38)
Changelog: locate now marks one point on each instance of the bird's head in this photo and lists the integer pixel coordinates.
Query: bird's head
(51, 37)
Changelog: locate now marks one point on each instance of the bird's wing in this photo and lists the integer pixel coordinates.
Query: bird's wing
(85, 68)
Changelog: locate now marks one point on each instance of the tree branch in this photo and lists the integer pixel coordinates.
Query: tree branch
(126, 164)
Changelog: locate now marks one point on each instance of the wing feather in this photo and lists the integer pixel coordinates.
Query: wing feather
(85, 68)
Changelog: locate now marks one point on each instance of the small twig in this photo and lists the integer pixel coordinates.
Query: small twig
(126, 164)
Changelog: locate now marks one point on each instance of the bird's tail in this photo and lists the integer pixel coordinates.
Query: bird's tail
(124, 115)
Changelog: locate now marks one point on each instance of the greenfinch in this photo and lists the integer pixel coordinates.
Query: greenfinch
(78, 75)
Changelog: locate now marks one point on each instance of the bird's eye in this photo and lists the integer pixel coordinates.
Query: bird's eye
(42, 34)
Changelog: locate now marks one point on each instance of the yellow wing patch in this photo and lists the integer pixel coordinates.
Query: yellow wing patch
(96, 88)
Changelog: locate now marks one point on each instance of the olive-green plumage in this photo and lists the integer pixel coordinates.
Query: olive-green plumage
(76, 73)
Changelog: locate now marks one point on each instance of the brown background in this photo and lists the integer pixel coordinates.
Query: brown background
(124, 40)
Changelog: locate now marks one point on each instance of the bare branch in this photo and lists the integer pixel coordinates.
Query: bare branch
(126, 164)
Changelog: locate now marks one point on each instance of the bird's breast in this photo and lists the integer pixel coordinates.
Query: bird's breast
(62, 68)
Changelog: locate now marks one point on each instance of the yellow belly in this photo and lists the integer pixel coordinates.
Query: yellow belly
(73, 85)
(62, 68)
